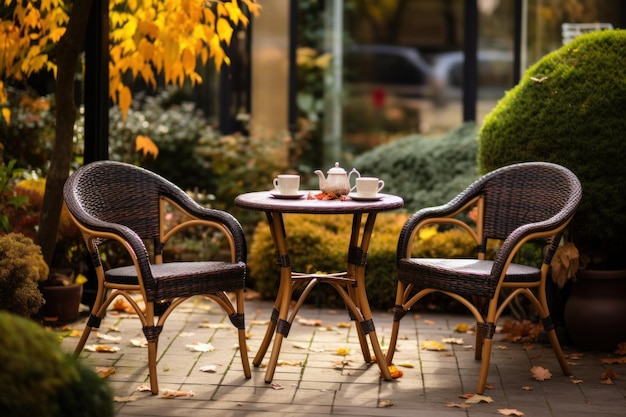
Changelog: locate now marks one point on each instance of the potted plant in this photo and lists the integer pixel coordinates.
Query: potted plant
(569, 109)
(62, 288)
(22, 268)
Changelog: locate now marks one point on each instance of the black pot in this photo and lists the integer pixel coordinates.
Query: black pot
(595, 312)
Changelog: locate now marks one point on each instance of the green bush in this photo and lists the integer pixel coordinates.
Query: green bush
(425, 171)
(569, 109)
(318, 243)
(38, 379)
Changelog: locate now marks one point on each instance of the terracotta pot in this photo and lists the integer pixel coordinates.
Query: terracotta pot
(62, 302)
(595, 312)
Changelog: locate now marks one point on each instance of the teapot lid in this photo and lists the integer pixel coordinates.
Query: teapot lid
(336, 169)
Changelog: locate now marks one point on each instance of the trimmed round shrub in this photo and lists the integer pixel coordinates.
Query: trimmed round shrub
(39, 379)
(569, 109)
(425, 171)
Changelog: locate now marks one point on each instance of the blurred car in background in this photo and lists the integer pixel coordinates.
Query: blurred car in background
(388, 69)
(495, 75)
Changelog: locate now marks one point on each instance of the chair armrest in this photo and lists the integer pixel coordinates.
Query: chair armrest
(431, 215)
(227, 220)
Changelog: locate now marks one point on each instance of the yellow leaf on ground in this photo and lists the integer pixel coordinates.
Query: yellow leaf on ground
(344, 351)
(461, 328)
(101, 348)
(433, 345)
(395, 372)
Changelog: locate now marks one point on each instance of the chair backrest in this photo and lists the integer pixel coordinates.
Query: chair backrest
(525, 193)
(119, 193)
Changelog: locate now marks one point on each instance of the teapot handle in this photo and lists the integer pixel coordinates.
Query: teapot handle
(358, 174)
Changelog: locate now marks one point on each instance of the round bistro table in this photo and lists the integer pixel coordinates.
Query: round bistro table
(350, 285)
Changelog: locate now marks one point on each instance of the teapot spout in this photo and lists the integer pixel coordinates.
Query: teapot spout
(320, 174)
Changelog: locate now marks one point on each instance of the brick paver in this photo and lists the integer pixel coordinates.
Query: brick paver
(314, 381)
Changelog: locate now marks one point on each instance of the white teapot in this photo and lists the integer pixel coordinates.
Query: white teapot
(337, 182)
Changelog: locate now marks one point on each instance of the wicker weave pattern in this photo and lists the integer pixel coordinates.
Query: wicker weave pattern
(515, 204)
(519, 200)
(113, 200)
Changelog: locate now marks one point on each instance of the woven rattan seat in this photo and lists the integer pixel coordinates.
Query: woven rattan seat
(513, 205)
(113, 201)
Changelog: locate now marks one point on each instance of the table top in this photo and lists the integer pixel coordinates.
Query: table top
(265, 201)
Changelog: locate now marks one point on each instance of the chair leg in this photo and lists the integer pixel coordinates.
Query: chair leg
(393, 341)
(152, 367)
(478, 348)
(484, 365)
(243, 351)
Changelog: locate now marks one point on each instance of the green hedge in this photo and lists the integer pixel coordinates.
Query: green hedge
(425, 171)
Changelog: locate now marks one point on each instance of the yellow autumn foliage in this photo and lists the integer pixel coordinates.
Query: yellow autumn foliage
(147, 38)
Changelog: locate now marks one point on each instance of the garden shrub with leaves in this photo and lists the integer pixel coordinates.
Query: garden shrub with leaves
(425, 171)
(569, 109)
(22, 268)
(318, 243)
(39, 379)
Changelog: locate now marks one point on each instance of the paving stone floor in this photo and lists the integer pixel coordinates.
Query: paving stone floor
(314, 381)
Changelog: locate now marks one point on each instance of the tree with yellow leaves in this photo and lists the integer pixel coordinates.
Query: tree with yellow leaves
(148, 38)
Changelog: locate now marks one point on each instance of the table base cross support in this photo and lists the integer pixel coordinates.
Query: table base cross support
(350, 285)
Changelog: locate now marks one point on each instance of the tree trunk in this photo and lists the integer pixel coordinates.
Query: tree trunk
(67, 53)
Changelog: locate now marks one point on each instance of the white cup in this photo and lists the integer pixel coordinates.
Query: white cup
(368, 186)
(287, 184)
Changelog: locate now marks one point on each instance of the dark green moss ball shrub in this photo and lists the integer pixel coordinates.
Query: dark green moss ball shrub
(569, 109)
(425, 171)
(319, 244)
(39, 379)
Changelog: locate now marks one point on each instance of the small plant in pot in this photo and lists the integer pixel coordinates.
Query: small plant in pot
(62, 287)
(569, 109)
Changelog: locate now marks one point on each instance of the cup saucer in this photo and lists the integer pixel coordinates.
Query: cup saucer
(357, 197)
(278, 194)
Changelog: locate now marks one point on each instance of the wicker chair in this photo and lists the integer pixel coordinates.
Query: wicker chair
(113, 201)
(511, 206)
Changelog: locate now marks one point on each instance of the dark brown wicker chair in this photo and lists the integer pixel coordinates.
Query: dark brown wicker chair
(512, 205)
(113, 201)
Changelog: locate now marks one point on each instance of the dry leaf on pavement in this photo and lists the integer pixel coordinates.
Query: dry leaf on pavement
(343, 351)
(510, 412)
(461, 328)
(475, 399)
(105, 371)
(200, 347)
(175, 394)
(612, 361)
(433, 345)
(540, 373)
(384, 403)
(102, 348)
(458, 405)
